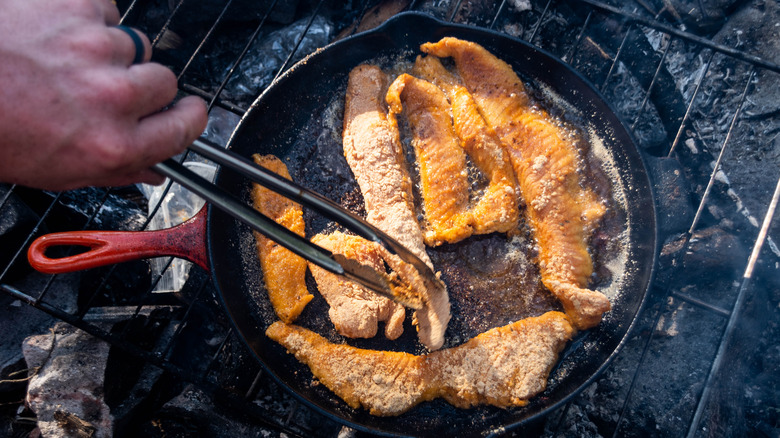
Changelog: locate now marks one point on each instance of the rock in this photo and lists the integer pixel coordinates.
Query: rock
(193, 413)
(698, 16)
(66, 385)
(269, 54)
(709, 250)
(19, 320)
(753, 154)
(673, 195)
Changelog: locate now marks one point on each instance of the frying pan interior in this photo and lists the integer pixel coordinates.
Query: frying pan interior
(294, 120)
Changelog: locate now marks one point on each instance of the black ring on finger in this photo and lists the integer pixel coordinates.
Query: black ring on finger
(139, 45)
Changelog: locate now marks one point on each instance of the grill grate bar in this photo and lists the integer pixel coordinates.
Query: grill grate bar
(216, 354)
(203, 40)
(252, 391)
(498, 14)
(650, 87)
(763, 233)
(92, 217)
(7, 196)
(569, 56)
(723, 148)
(616, 59)
(538, 24)
(96, 293)
(689, 107)
(291, 415)
(184, 319)
(455, 11)
(288, 61)
(362, 15)
(28, 239)
(212, 98)
(560, 423)
(167, 23)
(700, 41)
(260, 415)
(635, 375)
(146, 296)
(728, 334)
(704, 305)
(130, 9)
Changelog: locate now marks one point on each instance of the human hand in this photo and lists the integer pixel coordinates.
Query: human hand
(73, 110)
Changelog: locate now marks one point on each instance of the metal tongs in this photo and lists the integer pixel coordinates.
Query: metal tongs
(379, 282)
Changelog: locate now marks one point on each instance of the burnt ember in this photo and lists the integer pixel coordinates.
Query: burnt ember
(697, 84)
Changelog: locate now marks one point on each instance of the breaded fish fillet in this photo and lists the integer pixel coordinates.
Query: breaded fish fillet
(355, 310)
(284, 273)
(504, 366)
(561, 212)
(444, 183)
(373, 151)
(497, 210)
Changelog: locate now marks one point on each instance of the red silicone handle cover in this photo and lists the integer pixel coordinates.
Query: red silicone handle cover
(187, 240)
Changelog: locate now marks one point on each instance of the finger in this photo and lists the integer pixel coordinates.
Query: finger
(146, 176)
(154, 86)
(133, 47)
(149, 177)
(96, 11)
(110, 12)
(165, 134)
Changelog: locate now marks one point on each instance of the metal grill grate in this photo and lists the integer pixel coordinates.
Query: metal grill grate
(670, 375)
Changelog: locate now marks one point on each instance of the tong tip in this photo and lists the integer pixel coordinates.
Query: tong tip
(389, 285)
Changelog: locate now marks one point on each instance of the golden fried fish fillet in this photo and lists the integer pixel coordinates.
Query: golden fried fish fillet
(504, 366)
(561, 212)
(497, 210)
(354, 310)
(373, 151)
(444, 183)
(283, 272)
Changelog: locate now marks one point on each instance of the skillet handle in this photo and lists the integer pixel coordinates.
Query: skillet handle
(186, 240)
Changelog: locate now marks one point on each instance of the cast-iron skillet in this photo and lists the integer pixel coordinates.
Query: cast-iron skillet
(280, 120)
(298, 118)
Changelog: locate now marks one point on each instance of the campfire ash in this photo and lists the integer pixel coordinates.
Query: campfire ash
(61, 381)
